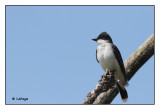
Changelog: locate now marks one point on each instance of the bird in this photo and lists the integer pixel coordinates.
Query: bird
(109, 57)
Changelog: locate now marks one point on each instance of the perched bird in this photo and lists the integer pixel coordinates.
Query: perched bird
(109, 57)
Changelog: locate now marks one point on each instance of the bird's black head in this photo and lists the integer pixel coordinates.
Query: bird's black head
(103, 36)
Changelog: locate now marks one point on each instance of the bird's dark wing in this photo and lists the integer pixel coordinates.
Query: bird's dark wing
(119, 59)
(96, 56)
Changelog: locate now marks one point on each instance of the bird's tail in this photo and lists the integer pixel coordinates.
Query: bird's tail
(123, 92)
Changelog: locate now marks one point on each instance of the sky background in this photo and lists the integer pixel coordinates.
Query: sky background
(51, 59)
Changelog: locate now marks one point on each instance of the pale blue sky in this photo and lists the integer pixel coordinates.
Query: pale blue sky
(51, 59)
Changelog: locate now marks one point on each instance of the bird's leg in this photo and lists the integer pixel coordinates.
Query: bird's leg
(105, 74)
(112, 72)
(108, 74)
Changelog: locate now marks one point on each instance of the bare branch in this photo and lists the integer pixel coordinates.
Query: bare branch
(132, 64)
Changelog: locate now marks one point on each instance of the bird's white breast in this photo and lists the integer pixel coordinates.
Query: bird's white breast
(107, 60)
(106, 57)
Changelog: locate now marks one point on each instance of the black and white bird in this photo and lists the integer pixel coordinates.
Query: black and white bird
(109, 57)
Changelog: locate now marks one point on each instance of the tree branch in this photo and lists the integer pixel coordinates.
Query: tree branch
(106, 90)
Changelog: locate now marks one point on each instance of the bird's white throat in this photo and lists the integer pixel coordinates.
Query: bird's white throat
(101, 41)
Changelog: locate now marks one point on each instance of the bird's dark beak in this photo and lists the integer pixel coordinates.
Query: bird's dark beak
(95, 39)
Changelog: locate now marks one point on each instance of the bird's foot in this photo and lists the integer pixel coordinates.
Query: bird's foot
(112, 72)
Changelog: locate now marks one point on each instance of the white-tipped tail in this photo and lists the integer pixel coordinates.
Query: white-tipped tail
(123, 93)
